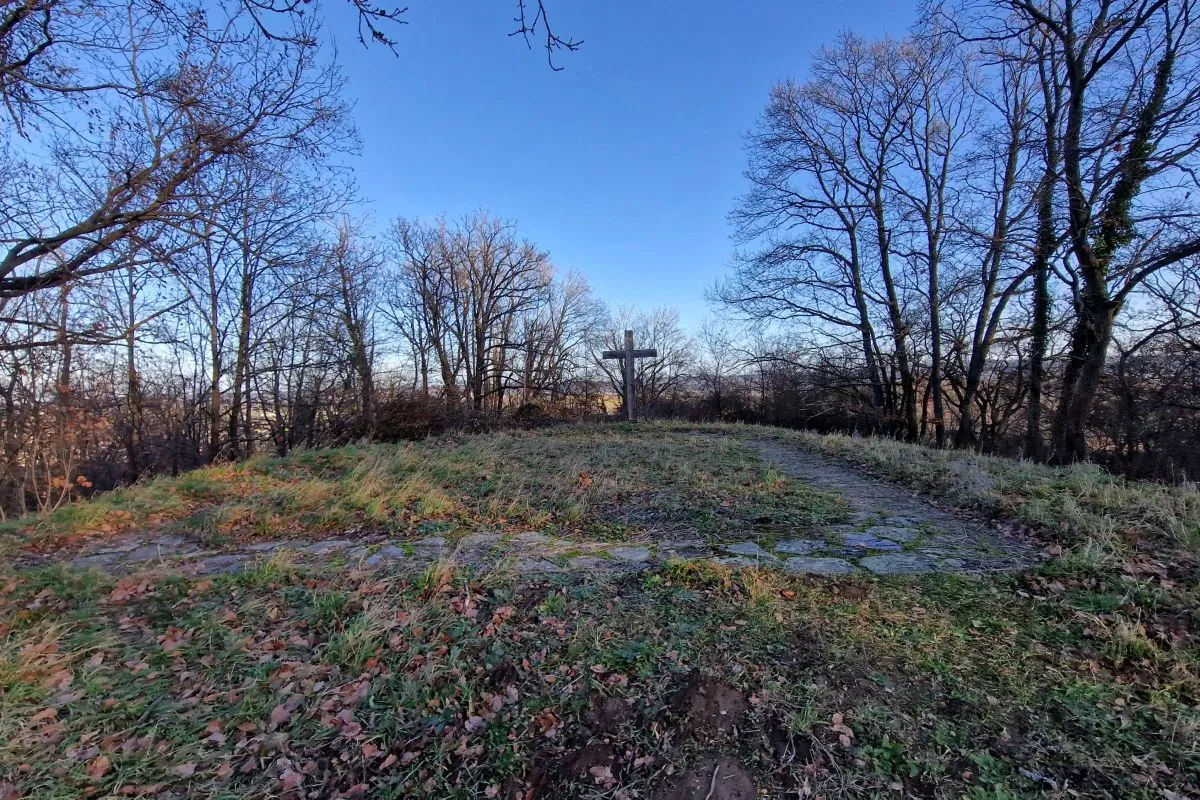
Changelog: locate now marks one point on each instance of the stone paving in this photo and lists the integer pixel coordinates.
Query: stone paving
(522, 552)
(890, 531)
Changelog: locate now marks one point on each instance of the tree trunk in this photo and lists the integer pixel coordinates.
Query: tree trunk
(935, 354)
(1081, 378)
(907, 384)
(1040, 334)
(986, 319)
(214, 390)
(133, 403)
(360, 359)
(1043, 251)
(1095, 241)
(479, 378)
(239, 406)
(865, 330)
(424, 357)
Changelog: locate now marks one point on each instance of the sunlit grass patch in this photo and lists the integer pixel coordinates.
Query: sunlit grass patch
(600, 481)
(610, 481)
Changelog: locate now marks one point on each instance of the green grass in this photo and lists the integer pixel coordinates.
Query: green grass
(951, 687)
(1075, 679)
(609, 481)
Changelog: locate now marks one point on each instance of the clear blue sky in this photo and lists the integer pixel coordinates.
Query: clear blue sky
(623, 165)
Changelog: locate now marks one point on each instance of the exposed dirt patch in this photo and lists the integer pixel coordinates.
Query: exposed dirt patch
(807, 648)
(709, 706)
(589, 761)
(537, 774)
(849, 591)
(503, 675)
(607, 714)
(787, 746)
(531, 596)
(711, 779)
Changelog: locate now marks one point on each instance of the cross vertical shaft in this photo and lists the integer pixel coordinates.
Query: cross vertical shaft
(630, 394)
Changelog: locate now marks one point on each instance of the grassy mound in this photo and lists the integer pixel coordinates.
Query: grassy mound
(1076, 679)
(604, 481)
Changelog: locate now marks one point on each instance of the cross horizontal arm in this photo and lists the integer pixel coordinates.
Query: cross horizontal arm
(646, 353)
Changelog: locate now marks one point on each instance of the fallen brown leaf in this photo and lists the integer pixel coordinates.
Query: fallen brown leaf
(43, 715)
(278, 716)
(98, 767)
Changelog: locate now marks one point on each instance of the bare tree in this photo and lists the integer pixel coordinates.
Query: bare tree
(999, 177)
(470, 282)
(717, 363)
(842, 167)
(43, 41)
(1128, 147)
(355, 267)
(555, 355)
(196, 95)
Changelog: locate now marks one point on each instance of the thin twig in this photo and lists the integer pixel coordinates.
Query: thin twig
(712, 786)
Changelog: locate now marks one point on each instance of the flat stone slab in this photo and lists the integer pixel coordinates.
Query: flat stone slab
(122, 547)
(328, 546)
(271, 547)
(148, 552)
(97, 560)
(538, 565)
(172, 541)
(865, 541)
(214, 565)
(899, 564)
(800, 547)
(589, 563)
(803, 565)
(893, 532)
(635, 555)
(749, 549)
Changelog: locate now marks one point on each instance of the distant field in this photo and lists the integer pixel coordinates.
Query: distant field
(691, 679)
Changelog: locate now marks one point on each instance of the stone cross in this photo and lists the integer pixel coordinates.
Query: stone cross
(628, 355)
